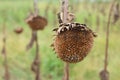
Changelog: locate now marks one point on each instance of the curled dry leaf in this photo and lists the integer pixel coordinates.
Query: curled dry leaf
(116, 14)
(35, 64)
(32, 40)
(104, 75)
(3, 50)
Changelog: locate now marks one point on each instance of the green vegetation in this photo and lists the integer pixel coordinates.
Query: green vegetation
(13, 13)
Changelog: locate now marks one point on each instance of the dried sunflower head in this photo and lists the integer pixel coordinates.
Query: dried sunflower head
(36, 22)
(73, 42)
(18, 30)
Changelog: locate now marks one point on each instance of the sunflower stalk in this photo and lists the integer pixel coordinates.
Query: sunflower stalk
(107, 35)
(7, 74)
(104, 74)
(64, 10)
(36, 62)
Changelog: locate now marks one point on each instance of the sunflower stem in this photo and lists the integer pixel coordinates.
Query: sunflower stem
(64, 10)
(107, 35)
(7, 74)
(36, 61)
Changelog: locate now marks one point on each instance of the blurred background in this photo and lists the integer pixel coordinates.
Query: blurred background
(94, 13)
